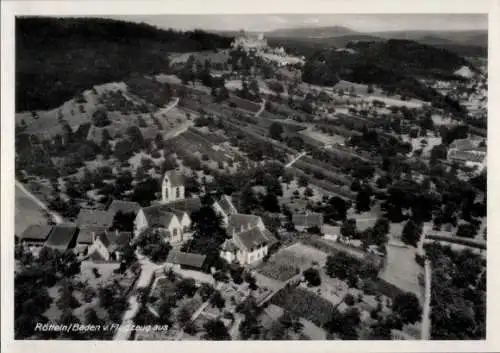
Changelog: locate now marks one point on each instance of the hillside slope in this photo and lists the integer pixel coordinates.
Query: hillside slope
(57, 58)
(395, 65)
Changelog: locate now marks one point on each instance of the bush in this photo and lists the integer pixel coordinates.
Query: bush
(312, 277)
(349, 299)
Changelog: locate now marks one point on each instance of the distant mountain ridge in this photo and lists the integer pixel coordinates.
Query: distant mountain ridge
(465, 37)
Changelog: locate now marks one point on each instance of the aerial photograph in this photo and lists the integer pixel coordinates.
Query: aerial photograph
(251, 177)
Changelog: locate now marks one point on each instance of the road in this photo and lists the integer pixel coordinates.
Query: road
(55, 216)
(295, 159)
(180, 129)
(147, 272)
(262, 107)
(426, 312)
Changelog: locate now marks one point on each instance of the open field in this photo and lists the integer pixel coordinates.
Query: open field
(401, 269)
(27, 212)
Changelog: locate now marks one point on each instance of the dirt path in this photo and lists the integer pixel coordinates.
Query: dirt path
(426, 312)
(295, 159)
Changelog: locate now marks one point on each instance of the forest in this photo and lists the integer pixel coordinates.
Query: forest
(58, 58)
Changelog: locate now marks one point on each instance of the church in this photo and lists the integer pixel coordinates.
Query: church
(250, 240)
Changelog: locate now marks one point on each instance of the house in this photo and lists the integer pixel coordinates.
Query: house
(94, 218)
(225, 208)
(36, 235)
(190, 205)
(86, 237)
(123, 207)
(250, 240)
(470, 158)
(63, 237)
(249, 43)
(172, 188)
(186, 260)
(173, 222)
(303, 221)
(106, 246)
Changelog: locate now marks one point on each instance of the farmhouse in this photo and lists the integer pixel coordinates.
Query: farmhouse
(106, 247)
(250, 240)
(63, 237)
(36, 235)
(303, 221)
(86, 236)
(94, 218)
(123, 207)
(186, 260)
(173, 222)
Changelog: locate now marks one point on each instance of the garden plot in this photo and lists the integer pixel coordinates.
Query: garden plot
(291, 261)
(323, 138)
(401, 269)
(303, 303)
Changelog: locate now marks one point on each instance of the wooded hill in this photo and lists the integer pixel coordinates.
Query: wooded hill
(57, 58)
(394, 65)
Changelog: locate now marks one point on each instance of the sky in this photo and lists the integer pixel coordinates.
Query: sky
(358, 22)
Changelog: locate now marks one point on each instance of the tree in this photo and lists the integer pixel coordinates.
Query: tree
(153, 245)
(123, 221)
(184, 315)
(66, 299)
(348, 229)
(363, 200)
(303, 181)
(100, 118)
(411, 233)
(275, 131)
(206, 291)
(407, 306)
(145, 191)
(291, 322)
(466, 230)
(186, 287)
(216, 331)
(217, 300)
(312, 277)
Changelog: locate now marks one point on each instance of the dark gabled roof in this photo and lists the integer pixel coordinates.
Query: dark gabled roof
(96, 256)
(226, 204)
(115, 240)
(307, 219)
(99, 218)
(174, 178)
(61, 236)
(229, 245)
(82, 131)
(186, 259)
(158, 215)
(189, 205)
(37, 232)
(251, 239)
(239, 222)
(124, 207)
(85, 234)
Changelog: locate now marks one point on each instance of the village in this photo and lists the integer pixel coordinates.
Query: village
(229, 199)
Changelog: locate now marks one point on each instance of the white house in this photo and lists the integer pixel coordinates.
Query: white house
(106, 247)
(172, 188)
(173, 223)
(250, 240)
(225, 208)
